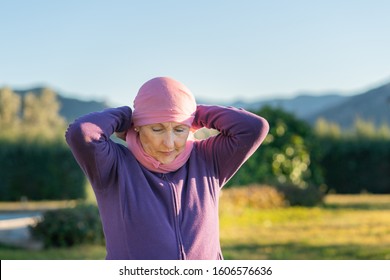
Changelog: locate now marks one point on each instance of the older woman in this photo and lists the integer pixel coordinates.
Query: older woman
(158, 197)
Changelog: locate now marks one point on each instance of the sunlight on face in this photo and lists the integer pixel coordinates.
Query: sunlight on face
(164, 141)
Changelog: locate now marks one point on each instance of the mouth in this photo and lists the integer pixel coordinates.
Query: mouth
(167, 154)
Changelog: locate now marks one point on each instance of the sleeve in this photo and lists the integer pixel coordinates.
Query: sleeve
(89, 140)
(241, 133)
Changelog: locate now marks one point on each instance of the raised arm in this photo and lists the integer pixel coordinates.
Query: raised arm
(241, 133)
(89, 139)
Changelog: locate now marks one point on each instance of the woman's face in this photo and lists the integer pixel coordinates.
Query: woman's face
(163, 141)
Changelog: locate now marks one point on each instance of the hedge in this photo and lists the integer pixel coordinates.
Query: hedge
(39, 171)
(356, 165)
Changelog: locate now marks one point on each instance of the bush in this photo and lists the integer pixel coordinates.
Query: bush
(253, 196)
(289, 154)
(296, 196)
(69, 226)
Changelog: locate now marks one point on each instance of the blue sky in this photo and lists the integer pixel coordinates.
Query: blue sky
(222, 50)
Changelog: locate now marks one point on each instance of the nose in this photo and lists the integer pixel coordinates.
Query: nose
(169, 140)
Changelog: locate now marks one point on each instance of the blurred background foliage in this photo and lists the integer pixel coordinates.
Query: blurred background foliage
(70, 227)
(325, 157)
(36, 164)
(297, 165)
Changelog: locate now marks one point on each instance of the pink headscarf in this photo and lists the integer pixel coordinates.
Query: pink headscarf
(161, 100)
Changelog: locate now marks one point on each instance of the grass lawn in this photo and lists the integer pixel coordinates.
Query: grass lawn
(346, 227)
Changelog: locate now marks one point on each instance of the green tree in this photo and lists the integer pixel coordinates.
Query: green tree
(41, 115)
(383, 131)
(323, 128)
(9, 111)
(364, 129)
(361, 129)
(287, 156)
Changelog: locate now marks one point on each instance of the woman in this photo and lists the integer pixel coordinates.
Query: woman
(158, 197)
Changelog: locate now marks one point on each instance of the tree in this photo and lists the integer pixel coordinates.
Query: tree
(287, 156)
(41, 115)
(9, 110)
(364, 129)
(383, 131)
(361, 129)
(323, 128)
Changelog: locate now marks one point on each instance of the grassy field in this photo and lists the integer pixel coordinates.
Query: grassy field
(346, 227)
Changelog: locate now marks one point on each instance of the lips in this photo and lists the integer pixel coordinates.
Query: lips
(167, 154)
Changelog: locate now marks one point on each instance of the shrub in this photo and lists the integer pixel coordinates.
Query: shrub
(253, 196)
(289, 154)
(296, 196)
(69, 226)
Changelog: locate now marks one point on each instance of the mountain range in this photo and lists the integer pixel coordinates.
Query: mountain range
(372, 105)
(70, 108)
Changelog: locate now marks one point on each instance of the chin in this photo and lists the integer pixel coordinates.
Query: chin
(167, 159)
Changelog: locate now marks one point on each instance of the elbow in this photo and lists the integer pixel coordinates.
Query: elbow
(72, 133)
(260, 129)
(265, 127)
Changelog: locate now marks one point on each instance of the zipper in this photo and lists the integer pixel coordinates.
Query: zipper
(176, 217)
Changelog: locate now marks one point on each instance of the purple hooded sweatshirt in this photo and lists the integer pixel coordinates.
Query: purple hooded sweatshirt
(147, 215)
